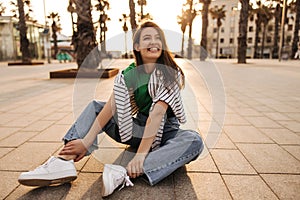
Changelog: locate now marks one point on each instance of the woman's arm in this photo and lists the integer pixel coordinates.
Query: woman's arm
(135, 166)
(78, 148)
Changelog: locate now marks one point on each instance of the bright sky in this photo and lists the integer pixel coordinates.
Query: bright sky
(164, 13)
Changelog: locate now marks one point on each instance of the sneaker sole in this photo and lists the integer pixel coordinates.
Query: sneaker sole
(105, 177)
(43, 182)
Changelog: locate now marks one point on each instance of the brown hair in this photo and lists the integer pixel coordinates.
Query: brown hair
(165, 63)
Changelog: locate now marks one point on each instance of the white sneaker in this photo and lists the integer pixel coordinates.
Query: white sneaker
(113, 176)
(54, 171)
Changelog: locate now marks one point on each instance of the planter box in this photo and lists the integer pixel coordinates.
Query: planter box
(21, 63)
(72, 73)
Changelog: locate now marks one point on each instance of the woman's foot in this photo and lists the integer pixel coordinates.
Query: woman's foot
(53, 172)
(113, 176)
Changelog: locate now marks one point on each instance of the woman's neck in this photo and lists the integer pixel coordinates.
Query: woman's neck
(149, 67)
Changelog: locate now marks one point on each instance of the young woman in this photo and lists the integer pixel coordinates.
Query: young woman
(143, 111)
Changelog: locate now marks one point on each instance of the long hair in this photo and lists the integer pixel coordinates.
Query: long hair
(165, 63)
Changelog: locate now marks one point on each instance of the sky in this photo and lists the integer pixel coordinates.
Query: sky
(164, 13)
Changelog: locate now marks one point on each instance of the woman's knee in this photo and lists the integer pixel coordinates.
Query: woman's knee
(194, 139)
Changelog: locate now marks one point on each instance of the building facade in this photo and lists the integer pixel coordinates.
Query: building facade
(10, 39)
(229, 31)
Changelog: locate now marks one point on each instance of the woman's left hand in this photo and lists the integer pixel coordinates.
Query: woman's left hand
(74, 147)
(135, 166)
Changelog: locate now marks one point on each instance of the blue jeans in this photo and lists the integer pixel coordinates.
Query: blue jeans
(178, 147)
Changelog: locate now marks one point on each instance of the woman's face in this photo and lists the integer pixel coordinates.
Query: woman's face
(150, 45)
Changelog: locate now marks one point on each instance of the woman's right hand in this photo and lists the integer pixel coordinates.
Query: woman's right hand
(74, 147)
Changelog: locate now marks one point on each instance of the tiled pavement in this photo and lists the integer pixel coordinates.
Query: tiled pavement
(257, 155)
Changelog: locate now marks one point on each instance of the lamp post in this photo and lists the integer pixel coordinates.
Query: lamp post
(282, 30)
(125, 29)
(47, 45)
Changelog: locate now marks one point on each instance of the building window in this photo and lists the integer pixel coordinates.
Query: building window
(214, 40)
(269, 39)
(288, 39)
(222, 40)
(222, 30)
(250, 39)
(215, 30)
(258, 40)
(290, 27)
(250, 28)
(231, 29)
(252, 18)
(270, 28)
(231, 40)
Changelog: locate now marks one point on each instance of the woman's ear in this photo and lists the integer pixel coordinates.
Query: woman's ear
(136, 47)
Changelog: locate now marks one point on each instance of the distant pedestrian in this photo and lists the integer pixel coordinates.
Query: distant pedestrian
(144, 111)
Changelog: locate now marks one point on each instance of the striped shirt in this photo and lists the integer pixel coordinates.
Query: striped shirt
(126, 107)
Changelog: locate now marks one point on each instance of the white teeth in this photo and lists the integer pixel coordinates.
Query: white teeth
(153, 49)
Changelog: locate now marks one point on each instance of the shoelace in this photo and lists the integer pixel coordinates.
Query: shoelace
(45, 164)
(126, 182)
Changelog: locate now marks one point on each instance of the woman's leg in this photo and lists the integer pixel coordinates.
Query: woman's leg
(181, 147)
(84, 122)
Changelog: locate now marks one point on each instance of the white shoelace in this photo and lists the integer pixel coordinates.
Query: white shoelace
(127, 182)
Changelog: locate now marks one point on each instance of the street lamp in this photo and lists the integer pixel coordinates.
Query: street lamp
(125, 29)
(282, 30)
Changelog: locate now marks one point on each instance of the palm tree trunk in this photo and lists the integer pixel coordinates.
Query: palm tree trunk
(182, 45)
(276, 32)
(296, 30)
(132, 16)
(85, 39)
(257, 23)
(203, 43)
(23, 34)
(54, 36)
(263, 40)
(243, 26)
(217, 46)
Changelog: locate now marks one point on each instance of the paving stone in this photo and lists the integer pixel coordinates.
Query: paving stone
(55, 116)
(105, 155)
(28, 156)
(200, 186)
(69, 119)
(8, 117)
(47, 193)
(246, 134)
(294, 150)
(4, 151)
(23, 121)
(276, 116)
(291, 125)
(38, 126)
(235, 119)
(231, 162)
(224, 142)
(9, 183)
(285, 186)
(7, 131)
(282, 136)
(248, 112)
(202, 164)
(269, 158)
(93, 164)
(248, 187)
(54, 133)
(17, 139)
(263, 122)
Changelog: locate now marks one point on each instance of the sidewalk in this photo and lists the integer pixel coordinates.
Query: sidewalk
(257, 155)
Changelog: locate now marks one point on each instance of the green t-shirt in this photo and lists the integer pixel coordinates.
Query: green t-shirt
(137, 80)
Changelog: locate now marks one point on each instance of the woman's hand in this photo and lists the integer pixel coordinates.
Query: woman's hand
(135, 166)
(74, 147)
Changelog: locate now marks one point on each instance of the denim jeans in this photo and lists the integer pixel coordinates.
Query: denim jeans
(178, 147)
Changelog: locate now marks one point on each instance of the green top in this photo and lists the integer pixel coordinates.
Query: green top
(137, 80)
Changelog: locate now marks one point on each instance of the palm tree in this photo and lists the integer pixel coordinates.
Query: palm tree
(183, 21)
(132, 16)
(266, 16)
(219, 14)
(243, 26)
(203, 43)
(2, 9)
(84, 39)
(191, 14)
(295, 42)
(277, 15)
(55, 27)
(102, 6)
(71, 9)
(23, 33)
(142, 3)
